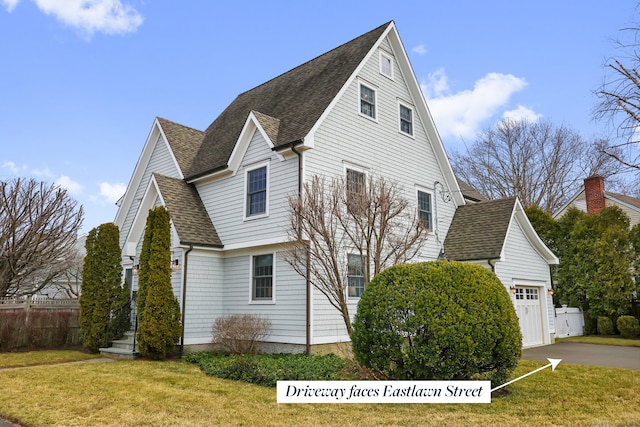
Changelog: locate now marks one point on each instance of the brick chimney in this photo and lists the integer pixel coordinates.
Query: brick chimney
(594, 193)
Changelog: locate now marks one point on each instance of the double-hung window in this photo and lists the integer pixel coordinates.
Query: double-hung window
(256, 203)
(356, 188)
(262, 278)
(355, 276)
(406, 120)
(367, 101)
(424, 209)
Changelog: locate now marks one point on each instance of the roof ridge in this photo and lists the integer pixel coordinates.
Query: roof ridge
(179, 124)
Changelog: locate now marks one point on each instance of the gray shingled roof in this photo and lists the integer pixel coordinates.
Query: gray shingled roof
(187, 211)
(293, 101)
(478, 230)
(470, 193)
(184, 142)
(633, 201)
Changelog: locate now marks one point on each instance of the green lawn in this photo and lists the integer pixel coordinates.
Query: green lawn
(175, 393)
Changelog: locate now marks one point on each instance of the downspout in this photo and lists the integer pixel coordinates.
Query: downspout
(184, 295)
(441, 255)
(308, 260)
(493, 266)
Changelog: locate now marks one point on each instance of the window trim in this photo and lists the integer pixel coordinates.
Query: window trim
(252, 299)
(430, 193)
(363, 171)
(364, 287)
(361, 84)
(413, 121)
(248, 169)
(385, 56)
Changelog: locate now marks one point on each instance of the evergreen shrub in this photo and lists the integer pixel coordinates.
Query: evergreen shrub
(159, 311)
(628, 326)
(605, 326)
(440, 320)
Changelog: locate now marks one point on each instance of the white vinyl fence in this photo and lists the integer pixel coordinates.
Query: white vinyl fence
(569, 322)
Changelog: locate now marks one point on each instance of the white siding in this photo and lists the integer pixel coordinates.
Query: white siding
(225, 199)
(287, 313)
(523, 265)
(204, 295)
(160, 162)
(346, 137)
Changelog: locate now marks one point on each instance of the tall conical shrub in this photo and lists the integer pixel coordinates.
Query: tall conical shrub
(101, 284)
(159, 329)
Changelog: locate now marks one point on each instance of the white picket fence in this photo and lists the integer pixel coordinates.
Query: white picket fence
(569, 322)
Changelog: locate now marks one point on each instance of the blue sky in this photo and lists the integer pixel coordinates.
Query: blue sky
(81, 81)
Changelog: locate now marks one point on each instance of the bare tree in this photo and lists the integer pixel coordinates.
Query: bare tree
(39, 224)
(540, 163)
(345, 234)
(619, 99)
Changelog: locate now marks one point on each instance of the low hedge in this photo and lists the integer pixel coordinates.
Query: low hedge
(267, 370)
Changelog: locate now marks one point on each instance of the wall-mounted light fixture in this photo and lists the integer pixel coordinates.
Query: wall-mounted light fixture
(512, 289)
(550, 292)
(136, 269)
(175, 265)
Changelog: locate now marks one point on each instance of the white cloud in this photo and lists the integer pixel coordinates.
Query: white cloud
(10, 4)
(111, 193)
(522, 113)
(90, 16)
(70, 185)
(43, 173)
(463, 113)
(420, 49)
(13, 168)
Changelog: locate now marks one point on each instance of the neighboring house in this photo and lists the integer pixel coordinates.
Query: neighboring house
(592, 198)
(353, 111)
(68, 284)
(498, 235)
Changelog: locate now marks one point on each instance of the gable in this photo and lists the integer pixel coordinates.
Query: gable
(157, 156)
(296, 98)
(480, 231)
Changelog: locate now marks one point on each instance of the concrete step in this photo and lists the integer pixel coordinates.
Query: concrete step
(124, 344)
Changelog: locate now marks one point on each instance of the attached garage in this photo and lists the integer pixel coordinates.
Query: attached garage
(498, 235)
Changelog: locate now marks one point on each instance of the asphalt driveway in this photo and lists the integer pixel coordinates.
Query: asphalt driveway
(587, 354)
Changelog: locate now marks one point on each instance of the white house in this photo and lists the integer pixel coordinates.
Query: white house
(355, 110)
(592, 198)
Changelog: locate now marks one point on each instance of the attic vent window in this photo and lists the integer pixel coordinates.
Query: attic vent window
(386, 65)
(367, 101)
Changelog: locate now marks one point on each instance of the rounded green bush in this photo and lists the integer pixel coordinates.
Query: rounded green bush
(605, 326)
(628, 326)
(437, 320)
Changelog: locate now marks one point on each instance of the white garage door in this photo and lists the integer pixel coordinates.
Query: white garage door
(530, 315)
